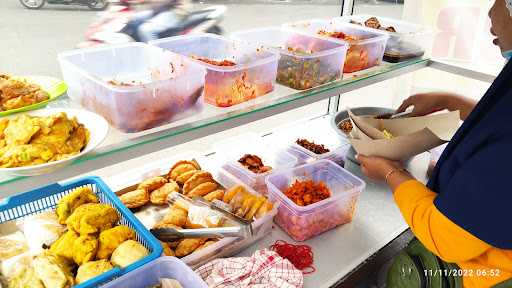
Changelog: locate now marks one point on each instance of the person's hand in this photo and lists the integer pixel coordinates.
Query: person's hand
(377, 168)
(425, 103)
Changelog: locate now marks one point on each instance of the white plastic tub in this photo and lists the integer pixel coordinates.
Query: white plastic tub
(253, 74)
(304, 222)
(134, 86)
(365, 52)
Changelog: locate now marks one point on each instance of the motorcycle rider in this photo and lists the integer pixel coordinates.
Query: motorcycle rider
(165, 16)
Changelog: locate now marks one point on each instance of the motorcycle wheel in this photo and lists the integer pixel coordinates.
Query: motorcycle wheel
(33, 4)
(98, 5)
(215, 30)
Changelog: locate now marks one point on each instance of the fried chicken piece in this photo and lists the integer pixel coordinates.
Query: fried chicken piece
(181, 179)
(203, 189)
(152, 183)
(167, 250)
(70, 202)
(135, 198)
(110, 239)
(215, 195)
(159, 196)
(188, 246)
(64, 245)
(130, 251)
(84, 249)
(54, 271)
(198, 178)
(92, 218)
(25, 278)
(176, 217)
(92, 269)
(182, 167)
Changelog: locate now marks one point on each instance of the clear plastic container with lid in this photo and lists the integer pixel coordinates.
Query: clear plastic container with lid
(236, 72)
(410, 40)
(304, 222)
(134, 86)
(313, 131)
(366, 45)
(306, 61)
(231, 150)
(162, 268)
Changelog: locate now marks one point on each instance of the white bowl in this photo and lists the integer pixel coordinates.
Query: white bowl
(97, 126)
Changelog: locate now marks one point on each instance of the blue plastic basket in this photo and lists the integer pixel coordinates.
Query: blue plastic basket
(46, 198)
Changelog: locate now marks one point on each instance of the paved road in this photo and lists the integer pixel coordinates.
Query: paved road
(32, 39)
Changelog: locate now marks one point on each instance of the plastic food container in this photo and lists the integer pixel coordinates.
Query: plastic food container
(362, 54)
(304, 222)
(223, 248)
(134, 86)
(306, 61)
(231, 150)
(287, 136)
(253, 74)
(410, 40)
(45, 198)
(150, 274)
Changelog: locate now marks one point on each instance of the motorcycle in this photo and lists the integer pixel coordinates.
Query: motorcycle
(121, 24)
(92, 4)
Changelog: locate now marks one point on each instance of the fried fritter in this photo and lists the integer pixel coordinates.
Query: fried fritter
(181, 179)
(16, 93)
(92, 218)
(215, 195)
(65, 244)
(30, 140)
(92, 269)
(266, 207)
(198, 178)
(203, 189)
(135, 198)
(54, 271)
(159, 196)
(188, 246)
(182, 167)
(128, 252)
(84, 249)
(176, 217)
(110, 239)
(167, 249)
(70, 202)
(152, 183)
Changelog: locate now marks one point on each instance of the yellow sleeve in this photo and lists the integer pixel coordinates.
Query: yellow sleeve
(439, 235)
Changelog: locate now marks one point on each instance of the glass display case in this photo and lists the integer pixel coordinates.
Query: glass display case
(344, 255)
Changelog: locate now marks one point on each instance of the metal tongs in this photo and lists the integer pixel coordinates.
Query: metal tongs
(242, 228)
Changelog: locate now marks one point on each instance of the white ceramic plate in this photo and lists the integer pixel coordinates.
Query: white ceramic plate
(97, 126)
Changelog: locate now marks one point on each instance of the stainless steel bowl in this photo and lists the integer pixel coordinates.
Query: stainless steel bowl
(361, 111)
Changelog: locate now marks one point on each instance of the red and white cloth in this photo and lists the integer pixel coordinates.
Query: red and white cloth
(264, 269)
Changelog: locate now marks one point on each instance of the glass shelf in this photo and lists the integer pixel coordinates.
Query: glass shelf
(121, 146)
